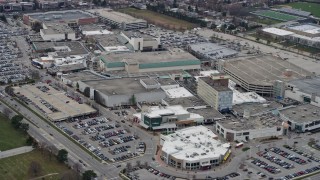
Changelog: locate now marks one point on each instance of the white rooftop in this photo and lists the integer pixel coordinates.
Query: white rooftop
(193, 144)
(156, 111)
(246, 97)
(116, 49)
(178, 92)
(276, 31)
(308, 28)
(206, 74)
(98, 32)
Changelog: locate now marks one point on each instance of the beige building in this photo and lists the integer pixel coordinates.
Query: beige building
(214, 90)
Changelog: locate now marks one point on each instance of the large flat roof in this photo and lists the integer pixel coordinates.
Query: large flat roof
(115, 16)
(254, 122)
(307, 28)
(83, 76)
(75, 48)
(56, 99)
(207, 113)
(186, 102)
(60, 15)
(119, 86)
(264, 70)
(147, 57)
(193, 144)
(310, 85)
(255, 108)
(53, 28)
(212, 51)
(303, 113)
(277, 31)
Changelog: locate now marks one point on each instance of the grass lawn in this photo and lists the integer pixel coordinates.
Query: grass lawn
(265, 21)
(305, 6)
(276, 15)
(17, 167)
(9, 137)
(158, 19)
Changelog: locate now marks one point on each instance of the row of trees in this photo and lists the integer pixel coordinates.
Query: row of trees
(160, 8)
(17, 123)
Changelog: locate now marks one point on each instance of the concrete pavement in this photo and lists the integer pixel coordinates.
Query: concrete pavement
(16, 151)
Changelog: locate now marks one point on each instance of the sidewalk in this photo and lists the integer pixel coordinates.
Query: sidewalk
(16, 151)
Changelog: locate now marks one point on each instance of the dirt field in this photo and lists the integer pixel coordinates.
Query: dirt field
(159, 19)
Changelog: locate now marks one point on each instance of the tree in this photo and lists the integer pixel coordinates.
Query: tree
(34, 74)
(36, 26)
(29, 141)
(16, 121)
(69, 175)
(77, 167)
(7, 111)
(89, 175)
(3, 18)
(9, 90)
(104, 3)
(62, 155)
(24, 127)
(35, 168)
(190, 8)
(86, 92)
(133, 100)
(175, 4)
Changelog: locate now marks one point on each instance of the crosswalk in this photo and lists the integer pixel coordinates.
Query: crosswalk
(156, 164)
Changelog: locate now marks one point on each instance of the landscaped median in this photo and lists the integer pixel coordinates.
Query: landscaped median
(56, 128)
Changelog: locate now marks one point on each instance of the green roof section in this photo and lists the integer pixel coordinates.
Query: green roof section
(115, 64)
(169, 64)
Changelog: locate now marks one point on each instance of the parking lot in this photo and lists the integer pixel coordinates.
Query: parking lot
(283, 163)
(109, 140)
(169, 38)
(10, 71)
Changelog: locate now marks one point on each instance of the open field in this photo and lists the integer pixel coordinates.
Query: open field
(16, 167)
(159, 19)
(10, 137)
(305, 6)
(276, 15)
(265, 21)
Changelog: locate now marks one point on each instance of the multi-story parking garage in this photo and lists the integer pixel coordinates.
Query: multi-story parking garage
(259, 73)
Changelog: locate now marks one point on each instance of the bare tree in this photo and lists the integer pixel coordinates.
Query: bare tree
(146, 164)
(35, 168)
(77, 167)
(138, 163)
(128, 167)
(70, 175)
(7, 112)
(34, 74)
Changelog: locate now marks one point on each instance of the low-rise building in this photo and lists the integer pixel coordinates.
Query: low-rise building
(211, 52)
(57, 32)
(141, 42)
(304, 90)
(122, 91)
(214, 90)
(250, 127)
(193, 148)
(140, 62)
(301, 118)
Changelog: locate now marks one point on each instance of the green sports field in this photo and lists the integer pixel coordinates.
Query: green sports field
(276, 15)
(310, 7)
